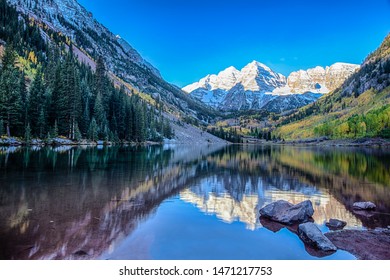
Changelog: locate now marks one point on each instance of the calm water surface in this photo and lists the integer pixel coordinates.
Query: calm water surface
(180, 202)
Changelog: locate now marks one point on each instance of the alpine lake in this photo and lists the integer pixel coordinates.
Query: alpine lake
(180, 202)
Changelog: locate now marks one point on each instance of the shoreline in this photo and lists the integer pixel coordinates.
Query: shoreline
(361, 142)
(310, 142)
(363, 244)
(374, 142)
(61, 141)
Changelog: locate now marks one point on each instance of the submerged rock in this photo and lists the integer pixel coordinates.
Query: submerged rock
(287, 213)
(276, 226)
(364, 205)
(312, 235)
(335, 224)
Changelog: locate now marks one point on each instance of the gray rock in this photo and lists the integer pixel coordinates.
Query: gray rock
(9, 141)
(312, 235)
(335, 224)
(59, 141)
(284, 212)
(36, 142)
(364, 205)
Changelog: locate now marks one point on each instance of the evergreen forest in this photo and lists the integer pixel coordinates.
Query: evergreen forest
(45, 92)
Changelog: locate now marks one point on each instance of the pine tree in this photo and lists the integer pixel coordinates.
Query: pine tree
(41, 124)
(1, 127)
(27, 134)
(93, 130)
(36, 108)
(168, 133)
(129, 129)
(121, 114)
(139, 125)
(152, 127)
(85, 103)
(67, 93)
(55, 130)
(10, 99)
(9, 58)
(101, 81)
(100, 113)
(74, 104)
(77, 133)
(106, 133)
(59, 100)
(24, 100)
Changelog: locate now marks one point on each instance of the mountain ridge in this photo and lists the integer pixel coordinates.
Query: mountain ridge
(256, 84)
(359, 108)
(41, 45)
(65, 15)
(91, 37)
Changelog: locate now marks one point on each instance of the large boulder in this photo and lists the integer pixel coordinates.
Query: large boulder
(312, 235)
(287, 213)
(364, 205)
(335, 224)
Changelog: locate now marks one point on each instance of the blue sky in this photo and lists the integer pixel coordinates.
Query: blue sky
(186, 40)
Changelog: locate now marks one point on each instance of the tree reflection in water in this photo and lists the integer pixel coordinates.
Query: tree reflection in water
(72, 203)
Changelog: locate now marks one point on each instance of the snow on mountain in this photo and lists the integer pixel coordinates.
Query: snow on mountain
(260, 78)
(319, 79)
(337, 73)
(254, 77)
(257, 86)
(225, 80)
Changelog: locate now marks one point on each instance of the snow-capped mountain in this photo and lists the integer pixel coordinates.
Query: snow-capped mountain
(257, 86)
(253, 77)
(258, 77)
(319, 79)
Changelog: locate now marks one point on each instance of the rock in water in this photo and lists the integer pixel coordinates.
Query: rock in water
(335, 224)
(312, 235)
(274, 208)
(287, 213)
(364, 205)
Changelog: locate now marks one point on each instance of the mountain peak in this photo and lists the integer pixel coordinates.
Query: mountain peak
(256, 64)
(230, 71)
(255, 76)
(256, 84)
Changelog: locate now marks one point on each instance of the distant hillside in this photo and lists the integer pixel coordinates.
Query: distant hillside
(125, 64)
(359, 108)
(47, 94)
(51, 86)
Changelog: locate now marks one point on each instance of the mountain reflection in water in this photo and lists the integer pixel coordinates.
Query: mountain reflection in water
(88, 203)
